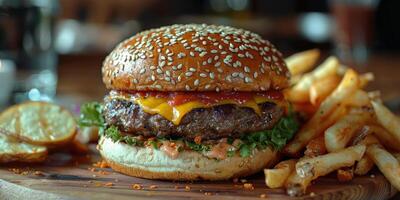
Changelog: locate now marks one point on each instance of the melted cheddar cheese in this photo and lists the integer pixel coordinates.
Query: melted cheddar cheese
(156, 105)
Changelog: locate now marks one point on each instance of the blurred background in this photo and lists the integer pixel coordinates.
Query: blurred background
(52, 50)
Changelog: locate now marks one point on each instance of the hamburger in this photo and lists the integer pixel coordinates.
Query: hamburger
(191, 102)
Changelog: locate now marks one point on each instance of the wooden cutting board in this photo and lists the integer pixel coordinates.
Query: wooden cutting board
(69, 175)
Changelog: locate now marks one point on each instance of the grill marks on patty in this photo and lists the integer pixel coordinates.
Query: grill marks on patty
(209, 123)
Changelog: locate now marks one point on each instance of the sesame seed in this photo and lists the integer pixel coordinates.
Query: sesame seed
(168, 73)
(212, 76)
(167, 78)
(241, 55)
(249, 55)
(246, 69)
(192, 69)
(179, 78)
(153, 78)
(241, 75)
(207, 86)
(162, 63)
(181, 55)
(196, 82)
(216, 57)
(217, 89)
(235, 74)
(152, 67)
(214, 51)
(142, 71)
(158, 86)
(209, 60)
(187, 87)
(162, 57)
(191, 53)
(179, 66)
(174, 68)
(248, 80)
(220, 70)
(202, 54)
(135, 81)
(159, 71)
(228, 78)
(188, 74)
(170, 59)
(255, 75)
(267, 59)
(203, 75)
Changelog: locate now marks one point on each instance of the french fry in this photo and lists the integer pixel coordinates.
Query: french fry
(319, 90)
(366, 78)
(338, 135)
(386, 163)
(314, 126)
(385, 138)
(342, 69)
(360, 98)
(387, 119)
(293, 148)
(296, 185)
(276, 178)
(375, 96)
(300, 91)
(397, 156)
(315, 147)
(302, 62)
(369, 140)
(295, 79)
(364, 166)
(325, 164)
(309, 169)
(345, 174)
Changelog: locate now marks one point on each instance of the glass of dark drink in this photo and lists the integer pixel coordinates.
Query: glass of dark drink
(354, 28)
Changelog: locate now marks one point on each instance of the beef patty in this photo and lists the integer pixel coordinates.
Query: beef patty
(209, 123)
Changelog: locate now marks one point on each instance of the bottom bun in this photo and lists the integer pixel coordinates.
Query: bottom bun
(145, 162)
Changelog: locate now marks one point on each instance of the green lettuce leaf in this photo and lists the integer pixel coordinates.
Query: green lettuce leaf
(91, 116)
(276, 138)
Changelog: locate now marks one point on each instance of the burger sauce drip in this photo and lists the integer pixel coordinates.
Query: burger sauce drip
(209, 98)
(170, 149)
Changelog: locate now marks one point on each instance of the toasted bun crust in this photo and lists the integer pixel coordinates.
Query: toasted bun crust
(154, 164)
(195, 58)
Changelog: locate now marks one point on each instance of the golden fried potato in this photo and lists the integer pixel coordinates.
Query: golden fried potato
(39, 123)
(12, 150)
(276, 177)
(301, 62)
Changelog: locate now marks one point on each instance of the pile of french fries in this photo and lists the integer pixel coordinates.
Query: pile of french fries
(347, 130)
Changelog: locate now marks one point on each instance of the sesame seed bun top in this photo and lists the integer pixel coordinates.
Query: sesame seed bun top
(195, 58)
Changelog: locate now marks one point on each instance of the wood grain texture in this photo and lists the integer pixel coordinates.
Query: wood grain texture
(69, 175)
